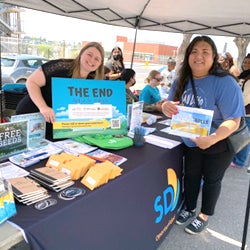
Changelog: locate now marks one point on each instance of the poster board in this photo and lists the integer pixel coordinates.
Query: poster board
(13, 138)
(88, 107)
(191, 122)
(36, 128)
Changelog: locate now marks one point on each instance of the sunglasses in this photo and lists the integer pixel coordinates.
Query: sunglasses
(158, 79)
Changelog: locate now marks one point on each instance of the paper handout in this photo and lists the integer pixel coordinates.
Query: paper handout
(191, 122)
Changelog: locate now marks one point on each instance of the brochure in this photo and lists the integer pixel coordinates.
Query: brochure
(74, 147)
(101, 155)
(191, 122)
(7, 203)
(135, 112)
(9, 170)
(88, 107)
(36, 128)
(13, 138)
(31, 157)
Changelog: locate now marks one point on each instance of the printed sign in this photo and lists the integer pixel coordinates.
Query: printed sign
(191, 122)
(13, 138)
(88, 107)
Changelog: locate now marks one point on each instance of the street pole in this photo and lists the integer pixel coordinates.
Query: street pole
(243, 246)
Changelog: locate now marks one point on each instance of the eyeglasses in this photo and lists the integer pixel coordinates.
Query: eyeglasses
(158, 79)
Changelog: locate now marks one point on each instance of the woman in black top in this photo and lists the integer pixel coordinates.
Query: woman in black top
(87, 65)
(115, 64)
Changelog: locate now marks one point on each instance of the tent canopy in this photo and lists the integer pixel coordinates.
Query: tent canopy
(223, 17)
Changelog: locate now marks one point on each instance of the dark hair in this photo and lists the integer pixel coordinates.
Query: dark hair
(111, 55)
(171, 61)
(127, 74)
(230, 59)
(185, 72)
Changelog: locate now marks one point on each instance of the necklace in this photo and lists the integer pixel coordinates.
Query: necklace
(199, 77)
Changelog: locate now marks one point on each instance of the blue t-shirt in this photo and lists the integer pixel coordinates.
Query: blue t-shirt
(221, 94)
(150, 95)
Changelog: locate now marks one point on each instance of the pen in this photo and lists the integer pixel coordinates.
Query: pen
(96, 158)
(35, 156)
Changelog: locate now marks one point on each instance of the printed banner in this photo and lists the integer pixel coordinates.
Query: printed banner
(88, 107)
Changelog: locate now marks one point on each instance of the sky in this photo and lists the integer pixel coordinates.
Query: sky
(59, 28)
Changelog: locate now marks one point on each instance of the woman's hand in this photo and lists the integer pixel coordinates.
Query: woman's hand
(204, 142)
(169, 108)
(48, 114)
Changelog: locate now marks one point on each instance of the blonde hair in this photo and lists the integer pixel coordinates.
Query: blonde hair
(99, 73)
(152, 74)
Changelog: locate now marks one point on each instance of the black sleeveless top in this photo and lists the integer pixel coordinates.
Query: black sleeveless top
(54, 68)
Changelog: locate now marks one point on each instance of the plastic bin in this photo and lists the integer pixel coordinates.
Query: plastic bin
(12, 94)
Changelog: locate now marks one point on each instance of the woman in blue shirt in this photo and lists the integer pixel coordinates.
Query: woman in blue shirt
(150, 94)
(206, 157)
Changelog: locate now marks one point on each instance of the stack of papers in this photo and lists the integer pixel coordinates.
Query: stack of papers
(27, 191)
(74, 147)
(9, 170)
(32, 157)
(161, 141)
(51, 178)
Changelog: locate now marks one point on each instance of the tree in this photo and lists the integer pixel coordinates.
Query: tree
(242, 44)
(181, 50)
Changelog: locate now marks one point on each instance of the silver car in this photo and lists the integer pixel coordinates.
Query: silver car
(6, 79)
(20, 67)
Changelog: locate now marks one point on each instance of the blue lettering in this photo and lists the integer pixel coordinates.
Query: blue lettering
(167, 207)
(158, 208)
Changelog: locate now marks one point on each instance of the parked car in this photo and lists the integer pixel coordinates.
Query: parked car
(20, 67)
(6, 79)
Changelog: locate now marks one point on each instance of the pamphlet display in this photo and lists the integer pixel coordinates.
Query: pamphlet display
(13, 138)
(135, 112)
(88, 107)
(36, 128)
(191, 122)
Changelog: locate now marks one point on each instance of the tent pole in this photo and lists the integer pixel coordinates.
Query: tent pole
(136, 28)
(243, 245)
(133, 53)
(1, 91)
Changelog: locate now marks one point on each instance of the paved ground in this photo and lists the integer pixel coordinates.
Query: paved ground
(225, 228)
